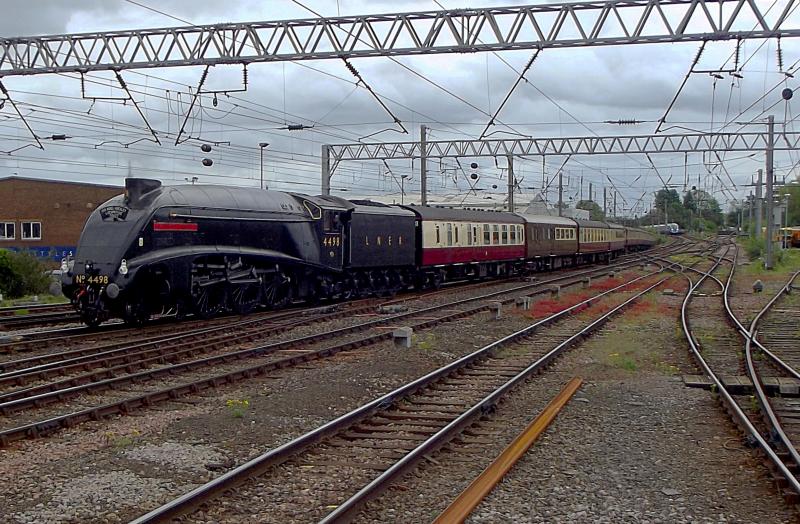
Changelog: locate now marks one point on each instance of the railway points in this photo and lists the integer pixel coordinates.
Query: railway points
(322, 263)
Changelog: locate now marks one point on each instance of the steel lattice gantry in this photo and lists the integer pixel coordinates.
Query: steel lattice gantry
(576, 24)
(587, 145)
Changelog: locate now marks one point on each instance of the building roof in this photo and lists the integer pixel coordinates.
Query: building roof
(51, 181)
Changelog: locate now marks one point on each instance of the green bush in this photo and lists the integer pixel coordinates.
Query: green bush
(754, 246)
(21, 274)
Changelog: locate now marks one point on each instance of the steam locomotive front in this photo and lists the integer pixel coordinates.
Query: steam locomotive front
(99, 273)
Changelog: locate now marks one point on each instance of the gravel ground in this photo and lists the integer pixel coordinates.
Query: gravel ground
(287, 404)
(634, 445)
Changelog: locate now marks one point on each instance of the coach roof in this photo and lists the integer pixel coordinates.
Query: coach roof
(464, 215)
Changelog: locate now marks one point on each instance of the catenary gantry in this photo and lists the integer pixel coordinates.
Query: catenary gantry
(574, 24)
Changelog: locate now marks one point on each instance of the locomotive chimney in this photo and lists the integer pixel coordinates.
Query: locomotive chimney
(137, 188)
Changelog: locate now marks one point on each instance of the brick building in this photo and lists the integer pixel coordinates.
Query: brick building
(46, 216)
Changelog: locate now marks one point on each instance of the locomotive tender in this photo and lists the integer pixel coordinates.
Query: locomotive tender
(209, 249)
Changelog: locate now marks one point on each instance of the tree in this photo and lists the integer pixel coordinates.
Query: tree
(793, 190)
(595, 212)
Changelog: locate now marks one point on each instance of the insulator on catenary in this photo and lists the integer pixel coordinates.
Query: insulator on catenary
(624, 121)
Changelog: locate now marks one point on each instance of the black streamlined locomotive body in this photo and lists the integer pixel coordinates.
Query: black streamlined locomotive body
(205, 249)
(208, 249)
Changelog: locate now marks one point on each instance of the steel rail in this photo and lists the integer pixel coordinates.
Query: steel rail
(16, 342)
(471, 497)
(106, 379)
(14, 310)
(346, 511)
(731, 402)
(124, 351)
(44, 427)
(260, 464)
(763, 400)
(55, 317)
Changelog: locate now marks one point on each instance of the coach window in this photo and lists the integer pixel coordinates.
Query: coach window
(487, 236)
(438, 235)
(458, 226)
(475, 235)
(31, 231)
(495, 235)
(449, 234)
(504, 235)
(7, 231)
(513, 234)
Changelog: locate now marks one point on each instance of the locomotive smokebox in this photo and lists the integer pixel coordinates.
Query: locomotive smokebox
(137, 188)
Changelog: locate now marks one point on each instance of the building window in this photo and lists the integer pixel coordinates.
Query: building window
(31, 231)
(7, 231)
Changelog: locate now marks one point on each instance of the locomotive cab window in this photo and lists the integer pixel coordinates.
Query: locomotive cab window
(313, 209)
(31, 231)
(7, 231)
(330, 221)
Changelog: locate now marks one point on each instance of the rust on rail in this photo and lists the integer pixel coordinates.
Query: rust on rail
(469, 499)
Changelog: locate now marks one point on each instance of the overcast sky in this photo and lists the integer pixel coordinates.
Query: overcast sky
(570, 93)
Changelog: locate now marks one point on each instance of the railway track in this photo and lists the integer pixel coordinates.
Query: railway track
(352, 459)
(22, 341)
(190, 377)
(32, 309)
(759, 417)
(23, 321)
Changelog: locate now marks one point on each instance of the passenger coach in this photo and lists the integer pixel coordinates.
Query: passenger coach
(456, 243)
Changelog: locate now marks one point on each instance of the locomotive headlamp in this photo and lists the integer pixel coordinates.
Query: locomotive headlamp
(123, 267)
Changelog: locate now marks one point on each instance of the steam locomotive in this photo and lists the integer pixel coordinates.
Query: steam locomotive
(206, 250)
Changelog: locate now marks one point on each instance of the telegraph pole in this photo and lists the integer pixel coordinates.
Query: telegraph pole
(605, 200)
(591, 199)
(615, 204)
(510, 183)
(423, 167)
(768, 262)
(560, 194)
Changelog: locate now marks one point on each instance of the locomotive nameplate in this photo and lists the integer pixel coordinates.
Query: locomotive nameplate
(91, 279)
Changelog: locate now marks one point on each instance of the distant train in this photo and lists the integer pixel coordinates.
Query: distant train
(206, 250)
(670, 228)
